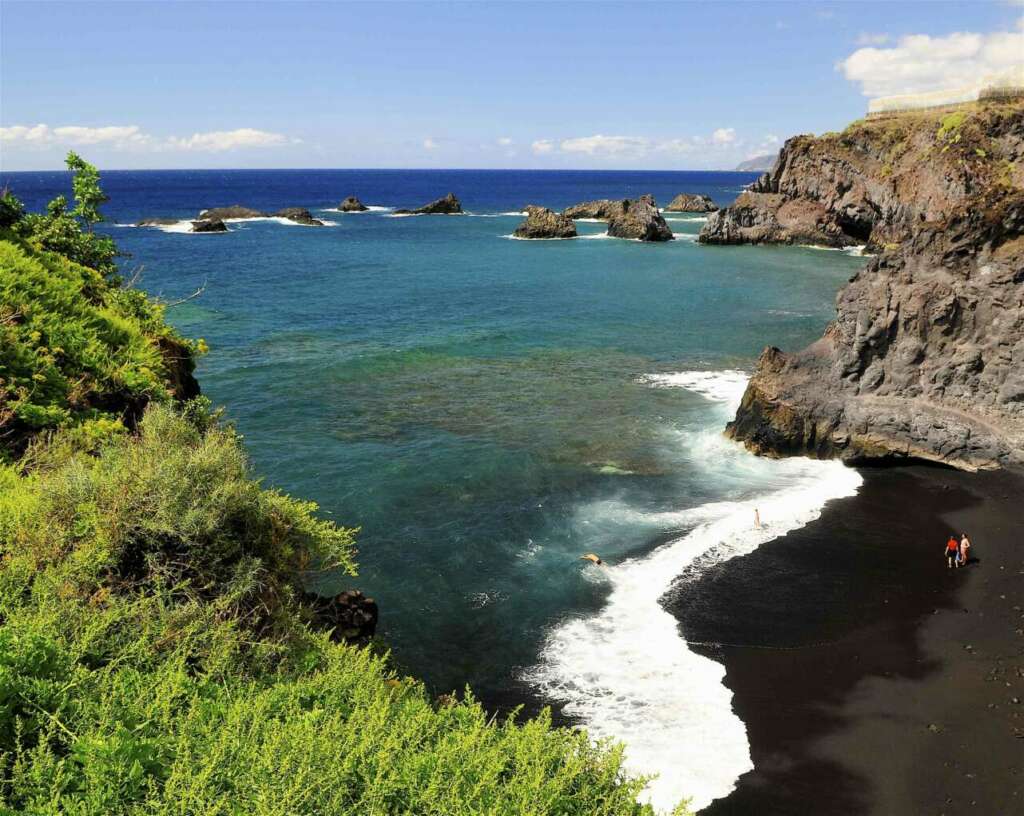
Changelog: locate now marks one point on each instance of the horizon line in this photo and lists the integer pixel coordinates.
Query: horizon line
(384, 170)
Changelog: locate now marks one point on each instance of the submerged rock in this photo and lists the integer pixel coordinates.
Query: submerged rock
(640, 220)
(352, 204)
(687, 202)
(209, 225)
(544, 223)
(449, 205)
(604, 209)
(234, 211)
(925, 358)
(300, 215)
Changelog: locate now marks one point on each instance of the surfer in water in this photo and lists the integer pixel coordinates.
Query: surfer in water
(592, 558)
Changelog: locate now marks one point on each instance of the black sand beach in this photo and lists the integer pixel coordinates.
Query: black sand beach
(872, 679)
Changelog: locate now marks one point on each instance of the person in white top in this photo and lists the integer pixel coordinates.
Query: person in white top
(965, 549)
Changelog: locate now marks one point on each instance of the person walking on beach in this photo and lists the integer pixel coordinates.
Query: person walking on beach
(952, 553)
(965, 549)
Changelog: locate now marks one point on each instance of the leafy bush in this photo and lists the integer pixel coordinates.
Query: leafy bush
(74, 347)
(154, 657)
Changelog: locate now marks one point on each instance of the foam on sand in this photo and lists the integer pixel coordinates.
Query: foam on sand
(626, 672)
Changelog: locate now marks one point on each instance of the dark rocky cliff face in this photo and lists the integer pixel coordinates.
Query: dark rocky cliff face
(925, 358)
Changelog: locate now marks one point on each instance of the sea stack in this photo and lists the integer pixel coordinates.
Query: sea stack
(449, 205)
(544, 223)
(640, 220)
(603, 209)
(300, 215)
(209, 225)
(352, 204)
(686, 202)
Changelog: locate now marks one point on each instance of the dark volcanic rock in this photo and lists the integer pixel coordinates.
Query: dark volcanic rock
(685, 202)
(640, 220)
(300, 215)
(351, 616)
(544, 223)
(209, 225)
(769, 218)
(352, 204)
(234, 211)
(604, 209)
(925, 359)
(157, 222)
(449, 205)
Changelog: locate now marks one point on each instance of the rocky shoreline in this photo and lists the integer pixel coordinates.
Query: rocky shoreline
(925, 359)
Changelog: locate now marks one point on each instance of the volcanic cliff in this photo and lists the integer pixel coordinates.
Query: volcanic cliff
(925, 358)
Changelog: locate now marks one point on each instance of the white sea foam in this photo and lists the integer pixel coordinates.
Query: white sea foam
(688, 218)
(855, 251)
(185, 225)
(626, 671)
(369, 208)
(497, 215)
(277, 220)
(721, 386)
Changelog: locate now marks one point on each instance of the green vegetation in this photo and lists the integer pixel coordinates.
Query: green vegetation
(76, 347)
(156, 652)
(949, 127)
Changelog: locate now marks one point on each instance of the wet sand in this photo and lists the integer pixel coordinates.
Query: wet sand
(871, 678)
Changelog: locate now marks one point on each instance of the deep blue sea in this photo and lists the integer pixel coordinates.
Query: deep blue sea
(487, 410)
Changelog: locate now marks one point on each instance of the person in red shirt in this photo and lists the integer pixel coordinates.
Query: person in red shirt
(952, 552)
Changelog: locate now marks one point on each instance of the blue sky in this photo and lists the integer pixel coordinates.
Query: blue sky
(486, 84)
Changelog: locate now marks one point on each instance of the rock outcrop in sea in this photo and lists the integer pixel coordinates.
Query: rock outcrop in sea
(157, 222)
(640, 220)
(925, 358)
(544, 223)
(603, 209)
(688, 202)
(233, 211)
(300, 215)
(352, 204)
(209, 225)
(449, 205)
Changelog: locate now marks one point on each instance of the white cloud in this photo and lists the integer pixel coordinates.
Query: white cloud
(867, 38)
(920, 63)
(430, 144)
(220, 140)
(724, 136)
(74, 135)
(504, 141)
(542, 146)
(131, 137)
(600, 145)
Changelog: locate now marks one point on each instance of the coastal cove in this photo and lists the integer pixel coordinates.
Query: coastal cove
(489, 409)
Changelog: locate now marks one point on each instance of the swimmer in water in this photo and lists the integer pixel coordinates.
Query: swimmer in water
(594, 559)
(757, 518)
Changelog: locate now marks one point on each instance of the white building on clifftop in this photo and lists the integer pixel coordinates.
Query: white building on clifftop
(1004, 85)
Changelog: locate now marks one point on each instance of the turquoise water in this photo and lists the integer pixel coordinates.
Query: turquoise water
(482, 407)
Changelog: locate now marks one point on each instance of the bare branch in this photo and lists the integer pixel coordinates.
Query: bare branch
(193, 296)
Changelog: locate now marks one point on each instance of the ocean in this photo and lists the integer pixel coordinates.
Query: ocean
(488, 410)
